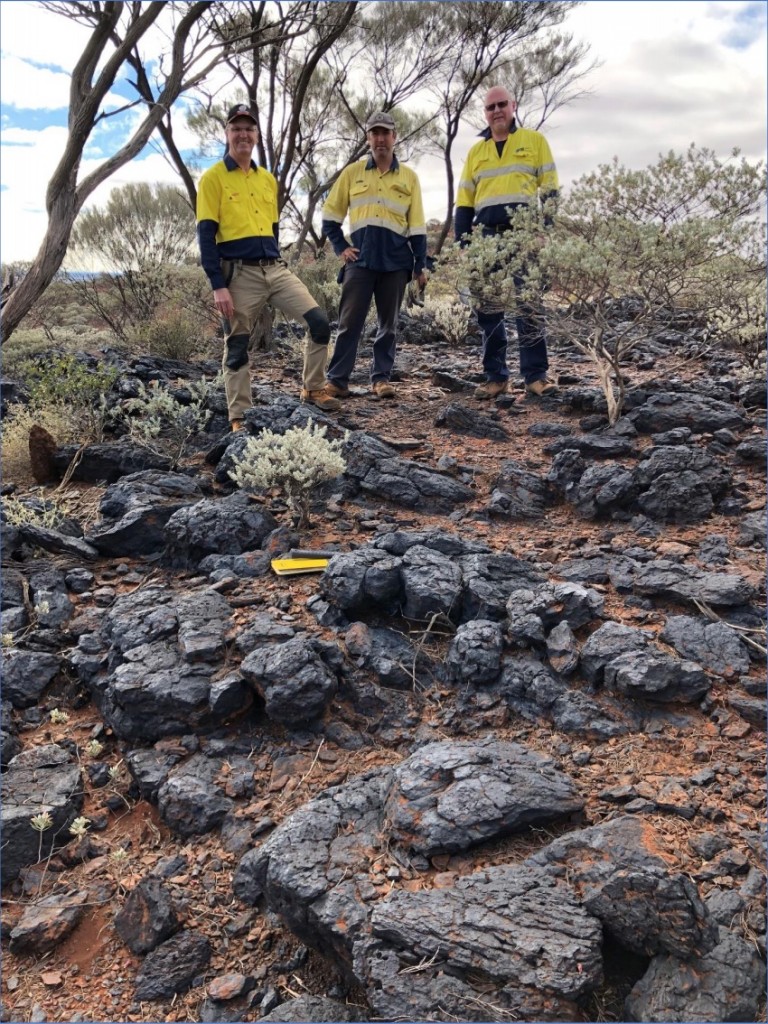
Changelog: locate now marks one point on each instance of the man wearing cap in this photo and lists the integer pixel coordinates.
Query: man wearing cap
(237, 229)
(508, 168)
(388, 248)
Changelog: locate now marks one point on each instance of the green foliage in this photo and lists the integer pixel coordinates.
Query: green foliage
(66, 398)
(142, 226)
(25, 345)
(141, 237)
(683, 233)
(65, 379)
(319, 275)
(296, 462)
(740, 323)
(172, 334)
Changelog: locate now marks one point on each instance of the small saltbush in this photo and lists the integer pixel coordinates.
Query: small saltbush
(451, 316)
(162, 424)
(296, 462)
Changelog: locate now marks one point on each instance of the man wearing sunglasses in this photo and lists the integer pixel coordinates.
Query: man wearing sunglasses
(506, 170)
(237, 231)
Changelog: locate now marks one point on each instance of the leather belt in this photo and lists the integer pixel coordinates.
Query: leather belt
(259, 263)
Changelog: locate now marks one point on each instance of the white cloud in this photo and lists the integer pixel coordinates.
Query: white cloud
(32, 33)
(669, 77)
(33, 88)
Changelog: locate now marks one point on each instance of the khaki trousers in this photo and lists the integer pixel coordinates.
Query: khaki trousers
(251, 288)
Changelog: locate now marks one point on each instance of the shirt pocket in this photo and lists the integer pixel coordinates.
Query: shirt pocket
(524, 156)
(358, 190)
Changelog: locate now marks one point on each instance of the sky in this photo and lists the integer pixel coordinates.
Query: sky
(671, 73)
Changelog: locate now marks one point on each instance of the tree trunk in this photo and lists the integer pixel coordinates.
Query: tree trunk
(305, 226)
(450, 195)
(45, 265)
(262, 337)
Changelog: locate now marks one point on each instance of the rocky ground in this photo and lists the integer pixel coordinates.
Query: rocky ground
(503, 760)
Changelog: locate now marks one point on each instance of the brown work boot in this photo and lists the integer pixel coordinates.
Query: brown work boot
(492, 389)
(541, 388)
(336, 390)
(236, 425)
(322, 399)
(383, 389)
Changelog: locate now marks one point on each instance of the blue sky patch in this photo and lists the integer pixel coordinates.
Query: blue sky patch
(746, 25)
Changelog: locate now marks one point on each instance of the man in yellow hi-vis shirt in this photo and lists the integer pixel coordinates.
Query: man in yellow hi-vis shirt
(508, 168)
(388, 248)
(237, 231)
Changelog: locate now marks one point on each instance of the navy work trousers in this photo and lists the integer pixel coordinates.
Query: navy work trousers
(531, 340)
(360, 287)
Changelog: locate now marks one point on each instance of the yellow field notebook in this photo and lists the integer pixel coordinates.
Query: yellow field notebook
(293, 566)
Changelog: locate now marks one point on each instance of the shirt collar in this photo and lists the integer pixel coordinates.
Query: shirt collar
(372, 163)
(232, 165)
(487, 134)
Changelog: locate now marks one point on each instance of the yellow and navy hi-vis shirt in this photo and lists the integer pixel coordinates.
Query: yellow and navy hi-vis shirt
(490, 182)
(386, 216)
(236, 216)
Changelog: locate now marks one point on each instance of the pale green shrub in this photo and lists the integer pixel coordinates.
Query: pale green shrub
(296, 462)
(451, 317)
(162, 424)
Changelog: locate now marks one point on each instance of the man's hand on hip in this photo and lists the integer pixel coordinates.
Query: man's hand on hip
(349, 255)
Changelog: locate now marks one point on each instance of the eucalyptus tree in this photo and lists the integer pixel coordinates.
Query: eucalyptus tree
(279, 71)
(162, 50)
(313, 90)
(117, 31)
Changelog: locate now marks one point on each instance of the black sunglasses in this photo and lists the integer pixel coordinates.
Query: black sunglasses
(501, 104)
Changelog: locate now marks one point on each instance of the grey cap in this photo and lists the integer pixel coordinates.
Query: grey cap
(380, 119)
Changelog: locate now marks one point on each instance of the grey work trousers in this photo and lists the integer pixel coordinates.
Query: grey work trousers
(360, 287)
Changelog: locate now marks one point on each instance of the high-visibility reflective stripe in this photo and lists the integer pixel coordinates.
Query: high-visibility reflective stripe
(546, 168)
(399, 208)
(468, 185)
(327, 215)
(495, 172)
(417, 231)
